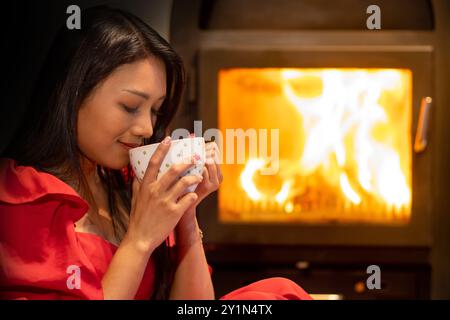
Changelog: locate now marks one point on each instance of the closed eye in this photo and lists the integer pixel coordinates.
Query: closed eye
(133, 110)
(129, 109)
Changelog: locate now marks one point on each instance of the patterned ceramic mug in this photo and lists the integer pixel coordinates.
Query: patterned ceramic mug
(180, 152)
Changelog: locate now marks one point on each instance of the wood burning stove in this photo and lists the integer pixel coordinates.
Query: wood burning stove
(311, 142)
(351, 109)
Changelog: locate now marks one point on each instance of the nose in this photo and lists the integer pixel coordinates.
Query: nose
(143, 126)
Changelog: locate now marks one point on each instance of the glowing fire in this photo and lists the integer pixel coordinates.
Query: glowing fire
(344, 143)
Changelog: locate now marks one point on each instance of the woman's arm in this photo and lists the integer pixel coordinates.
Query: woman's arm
(124, 275)
(192, 279)
(156, 208)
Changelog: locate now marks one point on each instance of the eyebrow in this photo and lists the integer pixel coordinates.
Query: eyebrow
(141, 94)
(138, 93)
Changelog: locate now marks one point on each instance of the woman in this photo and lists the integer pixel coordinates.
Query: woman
(75, 224)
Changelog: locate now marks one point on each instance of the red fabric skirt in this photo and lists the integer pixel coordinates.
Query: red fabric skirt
(269, 289)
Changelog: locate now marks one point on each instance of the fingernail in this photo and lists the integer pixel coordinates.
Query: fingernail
(166, 140)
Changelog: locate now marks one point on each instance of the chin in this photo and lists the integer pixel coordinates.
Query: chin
(117, 164)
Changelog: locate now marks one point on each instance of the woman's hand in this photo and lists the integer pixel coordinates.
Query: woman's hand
(212, 178)
(212, 175)
(158, 205)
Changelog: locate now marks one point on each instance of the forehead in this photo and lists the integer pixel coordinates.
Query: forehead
(147, 75)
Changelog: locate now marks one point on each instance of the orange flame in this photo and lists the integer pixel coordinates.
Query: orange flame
(352, 136)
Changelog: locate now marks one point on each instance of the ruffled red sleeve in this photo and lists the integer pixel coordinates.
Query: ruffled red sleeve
(41, 257)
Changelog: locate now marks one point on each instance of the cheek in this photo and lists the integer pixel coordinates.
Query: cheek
(115, 125)
(154, 118)
(98, 131)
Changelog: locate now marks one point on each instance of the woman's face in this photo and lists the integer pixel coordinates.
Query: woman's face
(123, 109)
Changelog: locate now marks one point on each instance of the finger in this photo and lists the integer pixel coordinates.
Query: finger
(211, 145)
(209, 154)
(215, 156)
(219, 173)
(179, 188)
(212, 158)
(156, 160)
(186, 201)
(135, 189)
(213, 149)
(205, 174)
(211, 166)
(175, 171)
(211, 161)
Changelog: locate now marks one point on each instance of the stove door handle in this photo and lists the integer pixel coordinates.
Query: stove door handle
(420, 142)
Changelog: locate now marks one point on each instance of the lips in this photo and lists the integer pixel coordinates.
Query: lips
(130, 145)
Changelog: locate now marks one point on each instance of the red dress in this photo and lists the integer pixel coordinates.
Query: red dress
(41, 253)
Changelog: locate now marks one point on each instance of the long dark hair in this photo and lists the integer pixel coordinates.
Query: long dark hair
(78, 61)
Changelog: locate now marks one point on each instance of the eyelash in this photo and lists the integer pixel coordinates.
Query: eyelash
(129, 110)
(134, 110)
